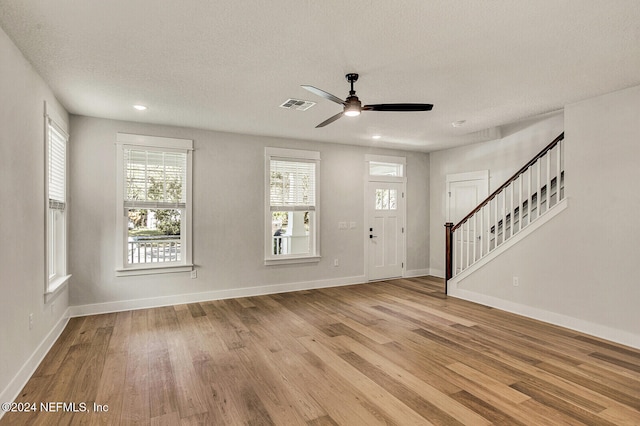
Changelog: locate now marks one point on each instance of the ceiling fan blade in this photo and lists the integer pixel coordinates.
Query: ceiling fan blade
(323, 94)
(330, 120)
(398, 107)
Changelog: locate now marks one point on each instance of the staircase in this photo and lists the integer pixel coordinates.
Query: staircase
(530, 194)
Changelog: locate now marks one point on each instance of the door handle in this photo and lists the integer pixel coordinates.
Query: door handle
(373, 236)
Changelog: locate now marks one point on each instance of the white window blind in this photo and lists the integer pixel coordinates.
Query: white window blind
(57, 165)
(154, 179)
(292, 185)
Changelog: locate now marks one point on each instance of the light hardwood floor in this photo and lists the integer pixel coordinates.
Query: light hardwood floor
(395, 352)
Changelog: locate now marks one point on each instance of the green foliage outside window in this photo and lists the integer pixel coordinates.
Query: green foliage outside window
(167, 220)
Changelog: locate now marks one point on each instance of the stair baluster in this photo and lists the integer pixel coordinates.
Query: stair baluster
(493, 212)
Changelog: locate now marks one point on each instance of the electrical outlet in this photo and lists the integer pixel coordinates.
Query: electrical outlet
(194, 274)
(335, 262)
(516, 281)
(30, 321)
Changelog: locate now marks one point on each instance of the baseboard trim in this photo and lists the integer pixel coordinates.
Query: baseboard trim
(11, 392)
(155, 302)
(411, 273)
(593, 329)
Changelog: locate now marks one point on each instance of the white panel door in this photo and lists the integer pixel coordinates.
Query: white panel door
(465, 192)
(465, 196)
(385, 230)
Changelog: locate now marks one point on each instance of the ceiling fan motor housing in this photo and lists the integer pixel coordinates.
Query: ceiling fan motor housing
(352, 106)
(353, 101)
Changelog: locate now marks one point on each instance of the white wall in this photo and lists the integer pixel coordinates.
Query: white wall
(22, 261)
(228, 194)
(580, 269)
(502, 157)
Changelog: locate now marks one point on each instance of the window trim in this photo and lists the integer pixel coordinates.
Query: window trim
(53, 285)
(286, 154)
(371, 158)
(152, 143)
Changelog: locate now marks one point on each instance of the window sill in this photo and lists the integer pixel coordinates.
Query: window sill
(150, 270)
(55, 287)
(292, 260)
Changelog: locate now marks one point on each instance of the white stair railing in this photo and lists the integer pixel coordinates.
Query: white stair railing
(520, 201)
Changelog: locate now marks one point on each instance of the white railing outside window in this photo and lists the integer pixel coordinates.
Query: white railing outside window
(154, 251)
(281, 244)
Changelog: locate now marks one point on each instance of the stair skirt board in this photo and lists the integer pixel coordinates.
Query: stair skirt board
(502, 247)
(505, 224)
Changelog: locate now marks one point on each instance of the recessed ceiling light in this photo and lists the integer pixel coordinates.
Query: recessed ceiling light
(458, 123)
(140, 107)
(376, 137)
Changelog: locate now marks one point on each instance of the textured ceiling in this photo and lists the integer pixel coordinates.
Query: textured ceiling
(228, 65)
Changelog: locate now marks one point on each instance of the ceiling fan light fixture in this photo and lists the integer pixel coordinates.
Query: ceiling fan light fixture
(352, 107)
(352, 111)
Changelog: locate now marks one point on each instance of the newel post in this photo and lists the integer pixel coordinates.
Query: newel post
(448, 252)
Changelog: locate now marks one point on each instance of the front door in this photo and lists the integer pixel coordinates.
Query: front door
(385, 229)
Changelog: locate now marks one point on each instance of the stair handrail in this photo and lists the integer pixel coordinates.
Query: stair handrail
(450, 227)
(511, 179)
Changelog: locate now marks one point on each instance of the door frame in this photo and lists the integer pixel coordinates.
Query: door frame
(481, 175)
(368, 178)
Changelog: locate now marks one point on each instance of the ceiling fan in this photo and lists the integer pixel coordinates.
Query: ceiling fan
(353, 107)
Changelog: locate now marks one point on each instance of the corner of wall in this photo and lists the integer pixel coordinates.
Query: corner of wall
(24, 373)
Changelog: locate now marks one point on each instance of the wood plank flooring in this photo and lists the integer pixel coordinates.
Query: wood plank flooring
(392, 352)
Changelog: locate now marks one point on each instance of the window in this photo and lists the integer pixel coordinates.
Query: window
(386, 199)
(154, 211)
(292, 205)
(386, 166)
(56, 200)
(385, 169)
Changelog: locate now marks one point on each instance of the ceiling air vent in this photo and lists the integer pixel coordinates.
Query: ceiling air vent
(298, 104)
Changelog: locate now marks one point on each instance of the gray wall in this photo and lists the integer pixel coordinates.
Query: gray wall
(22, 214)
(228, 214)
(580, 269)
